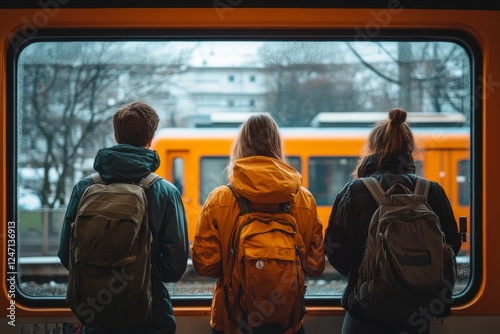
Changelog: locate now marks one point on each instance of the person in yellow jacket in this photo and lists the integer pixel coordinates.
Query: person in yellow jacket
(259, 172)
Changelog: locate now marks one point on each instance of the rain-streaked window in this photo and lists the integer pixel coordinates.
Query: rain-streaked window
(67, 92)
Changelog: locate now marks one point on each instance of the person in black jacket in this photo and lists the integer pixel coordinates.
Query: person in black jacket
(389, 159)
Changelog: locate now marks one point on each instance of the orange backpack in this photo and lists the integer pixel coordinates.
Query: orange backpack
(264, 285)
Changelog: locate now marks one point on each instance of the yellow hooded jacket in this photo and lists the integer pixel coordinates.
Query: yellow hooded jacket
(261, 180)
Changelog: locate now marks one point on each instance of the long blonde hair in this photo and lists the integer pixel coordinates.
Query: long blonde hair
(259, 135)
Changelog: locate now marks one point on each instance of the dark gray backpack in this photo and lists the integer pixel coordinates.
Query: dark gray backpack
(407, 264)
(109, 283)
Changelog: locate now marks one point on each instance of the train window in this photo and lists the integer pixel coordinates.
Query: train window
(328, 175)
(463, 181)
(212, 174)
(67, 89)
(295, 162)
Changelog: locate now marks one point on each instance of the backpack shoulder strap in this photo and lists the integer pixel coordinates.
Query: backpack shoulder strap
(232, 244)
(422, 186)
(149, 180)
(145, 182)
(244, 204)
(375, 189)
(96, 178)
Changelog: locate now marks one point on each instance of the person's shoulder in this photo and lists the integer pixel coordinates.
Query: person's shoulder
(354, 192)
(163, 186)
(353, 188)
(433, 185)
(221, 195)
(303, 197)
(435, 189)
(355, 183)
(303, 191)
(83, 184)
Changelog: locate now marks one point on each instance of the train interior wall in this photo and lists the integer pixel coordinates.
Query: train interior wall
(313, 324)
(478, 314)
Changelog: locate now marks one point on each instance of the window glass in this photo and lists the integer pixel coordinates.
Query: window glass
(328, 175)
(295, 162)
(213, 173)
(67, 92)
(463, 181)
(178, 174)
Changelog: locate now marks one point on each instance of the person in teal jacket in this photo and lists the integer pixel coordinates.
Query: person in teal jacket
(129, 161)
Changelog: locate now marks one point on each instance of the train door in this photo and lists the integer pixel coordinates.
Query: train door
(460, 182)
(460, 192)
(174, 169)
(451, 169)
(435, 167)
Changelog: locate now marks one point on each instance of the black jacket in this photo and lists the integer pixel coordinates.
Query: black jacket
(347, 230)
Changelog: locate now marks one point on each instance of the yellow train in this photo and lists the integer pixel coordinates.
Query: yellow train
(195, 161)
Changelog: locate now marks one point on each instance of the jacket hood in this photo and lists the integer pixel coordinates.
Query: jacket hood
(401, 163)
(125, 162)
(265, 180)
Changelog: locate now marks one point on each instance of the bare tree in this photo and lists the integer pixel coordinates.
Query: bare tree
(68, 95)
(304, 79)
(430, 76)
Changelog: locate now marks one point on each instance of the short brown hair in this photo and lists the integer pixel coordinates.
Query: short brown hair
(135, 124)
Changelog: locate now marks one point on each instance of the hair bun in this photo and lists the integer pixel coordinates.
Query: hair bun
(397, 116)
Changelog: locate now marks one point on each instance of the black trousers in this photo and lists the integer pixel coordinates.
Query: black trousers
(355, 326)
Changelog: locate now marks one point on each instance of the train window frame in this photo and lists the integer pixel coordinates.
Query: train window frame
(464, 40)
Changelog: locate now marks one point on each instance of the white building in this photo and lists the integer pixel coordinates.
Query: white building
(218, 82)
